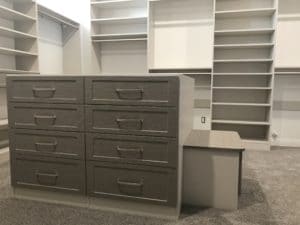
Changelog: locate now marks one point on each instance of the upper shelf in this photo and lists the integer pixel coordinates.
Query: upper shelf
(137, 19)
(244, 32)
(244, 13)
(7, 13)
(118, 3)
(8, 51)
(7, 32)
(254, 45)
(118, 37)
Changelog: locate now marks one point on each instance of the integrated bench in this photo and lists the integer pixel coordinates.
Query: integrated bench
(212, 169)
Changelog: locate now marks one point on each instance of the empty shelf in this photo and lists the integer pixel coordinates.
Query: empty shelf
(244, 13)
(255, 45)
(7, 32)
(243, 74)
(202, 87)
(118, 3)
(8, 51)
(242, 60)
(243, 88)
(140, 19)
(260, 123)
(241, 104)
(244, 32)
(101, 37)
(11, 14)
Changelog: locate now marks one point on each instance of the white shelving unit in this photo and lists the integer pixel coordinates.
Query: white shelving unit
(18, 37)
(243, 71)
(119, 34)
(180, 35)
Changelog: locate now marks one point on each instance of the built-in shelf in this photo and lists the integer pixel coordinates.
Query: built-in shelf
(119, 20)
(259, 123)
(241, 60)
(243, 74)
(111, 37)
(185, 71)
(289, 16)
(244, 32)
(243, 88)
(241, 104)
(7, 32)
(7, 51)
(7, 13)
(12, 71)
(243, 46)
(245, 12)
(202, 87)
(117, 3)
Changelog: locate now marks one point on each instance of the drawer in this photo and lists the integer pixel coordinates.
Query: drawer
(49, 174)
(47, 143)
(46, 116)
(137, 120)
(132, 149)
(51, 89)
(145, 184)
(123, 90)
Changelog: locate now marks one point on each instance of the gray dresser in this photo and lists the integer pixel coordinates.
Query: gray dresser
(107, 137)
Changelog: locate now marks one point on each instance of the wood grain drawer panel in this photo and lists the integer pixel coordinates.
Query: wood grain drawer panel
(122, 90)
(46, 116)
(47, 143)
(132, 149)
(154, 121)
(47, 174)
(50, 89)
(144, 184)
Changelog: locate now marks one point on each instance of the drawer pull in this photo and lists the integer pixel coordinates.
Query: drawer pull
(46, 147)
(43, 92)
(45, 120)
(136, 153)
(130, 94)
(130, 188)
(130, 124)
(46, 178)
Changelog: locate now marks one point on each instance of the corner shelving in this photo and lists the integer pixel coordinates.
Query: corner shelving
(243, 72)
(18, 33)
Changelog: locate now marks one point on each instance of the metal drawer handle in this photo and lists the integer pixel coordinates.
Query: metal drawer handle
(138, 150)
(129, 94)
(122, 122)
(46, 178)
(50, 118)
(130, 184)
(47, 147)
(43, 92)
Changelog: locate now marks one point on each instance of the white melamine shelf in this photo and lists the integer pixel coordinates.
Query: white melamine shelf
(202, 87)
(101, 37)
(245, 13)
(118, 3)
(7, 32)
(12, 71)
(244, 32)
(287, 73)
(120, 40)
(11, 14)
(243, 46)
(243, 88)
(118, 20)
(243, 74)
(242, 60)
(289, 17)
(241, 122)
(241, 104)
(8, 51)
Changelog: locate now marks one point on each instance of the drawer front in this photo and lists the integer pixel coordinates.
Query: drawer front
(148, 90)
(46, 174)
(134, 149)
(153, 121)
(46, 116)
(47, 143)
(46, 89)
(145, 184)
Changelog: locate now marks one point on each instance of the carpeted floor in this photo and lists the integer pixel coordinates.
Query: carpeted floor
(270, 196)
